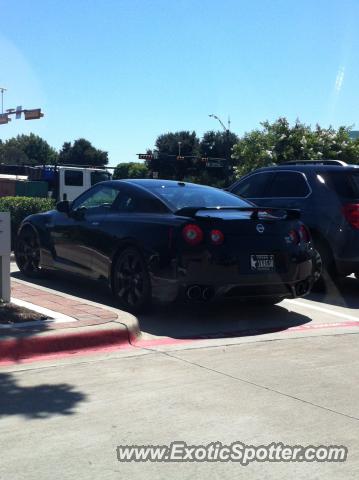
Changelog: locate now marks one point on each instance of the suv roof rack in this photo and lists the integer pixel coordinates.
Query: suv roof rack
(315, 162)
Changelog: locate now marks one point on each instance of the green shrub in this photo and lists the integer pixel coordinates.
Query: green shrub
(21, 207)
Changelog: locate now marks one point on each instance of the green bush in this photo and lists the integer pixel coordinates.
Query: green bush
(21, 207)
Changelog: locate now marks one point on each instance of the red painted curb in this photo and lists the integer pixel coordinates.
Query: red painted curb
(20, 348)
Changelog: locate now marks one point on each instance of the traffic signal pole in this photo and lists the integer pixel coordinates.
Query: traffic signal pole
(29, 114)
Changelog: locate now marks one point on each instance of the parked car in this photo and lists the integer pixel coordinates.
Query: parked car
(327, 194)
(162, 239)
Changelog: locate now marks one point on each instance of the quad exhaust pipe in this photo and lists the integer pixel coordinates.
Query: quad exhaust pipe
(198, 292)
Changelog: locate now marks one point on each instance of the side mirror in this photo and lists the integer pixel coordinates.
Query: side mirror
(63, 206)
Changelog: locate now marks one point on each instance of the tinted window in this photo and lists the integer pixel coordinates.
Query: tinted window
(288, 184)
(74, 178)
(254, 186)
(127, 203)
(102, 196)
(177, 196)
(139, 203)
(343, 183)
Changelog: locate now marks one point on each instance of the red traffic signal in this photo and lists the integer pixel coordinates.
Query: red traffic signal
(34, 114)
(4, 118)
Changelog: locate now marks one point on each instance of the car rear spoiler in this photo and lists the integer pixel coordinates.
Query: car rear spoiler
(287, 213)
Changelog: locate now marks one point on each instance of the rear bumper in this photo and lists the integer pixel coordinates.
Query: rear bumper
(217, 281)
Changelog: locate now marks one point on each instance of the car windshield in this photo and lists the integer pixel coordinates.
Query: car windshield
(180, 196)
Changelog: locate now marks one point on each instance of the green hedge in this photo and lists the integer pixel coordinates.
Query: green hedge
(21, 207)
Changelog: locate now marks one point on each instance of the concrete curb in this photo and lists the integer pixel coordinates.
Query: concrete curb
(22, 347)
(124, 318)
(21, 343)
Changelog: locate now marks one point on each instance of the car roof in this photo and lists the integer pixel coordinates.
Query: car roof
(153, 182)
(306, 168)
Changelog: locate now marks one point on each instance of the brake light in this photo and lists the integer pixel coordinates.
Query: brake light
(294, 236)
(351, 213)
(217, 237)
(304, 234)
(192, 234)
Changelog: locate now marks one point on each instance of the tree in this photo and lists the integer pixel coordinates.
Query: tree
(168, 146)
(27, 149)
(130, 170)
(168, 143)
(278, 142)
(217, 144)
(82, 152)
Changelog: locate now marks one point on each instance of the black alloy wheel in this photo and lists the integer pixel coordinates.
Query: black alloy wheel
(27, 253)
(131, 282)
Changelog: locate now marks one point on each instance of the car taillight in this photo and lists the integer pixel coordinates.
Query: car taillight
(304, 234)
(192, 234)
(351, 213)
(294, 236)
(217, 237)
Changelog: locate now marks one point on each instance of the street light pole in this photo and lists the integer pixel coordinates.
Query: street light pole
(2, 90)
(179, 148)
(227, 130)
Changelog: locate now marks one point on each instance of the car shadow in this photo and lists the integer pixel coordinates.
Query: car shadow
(221, 319)
(180, 320)
(343, 293)
(38, 401)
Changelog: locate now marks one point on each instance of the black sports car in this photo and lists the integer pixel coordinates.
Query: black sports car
(162, 239)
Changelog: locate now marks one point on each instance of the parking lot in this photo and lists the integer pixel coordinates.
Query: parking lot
(211, 372)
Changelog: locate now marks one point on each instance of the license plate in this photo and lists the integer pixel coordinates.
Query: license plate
(262, 263)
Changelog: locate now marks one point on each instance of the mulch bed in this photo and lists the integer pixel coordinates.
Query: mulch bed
(11, 314)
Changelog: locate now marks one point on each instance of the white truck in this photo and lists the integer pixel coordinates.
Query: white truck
(63, 182)
(72, 181)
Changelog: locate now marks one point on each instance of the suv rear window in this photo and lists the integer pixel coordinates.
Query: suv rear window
(345, 184)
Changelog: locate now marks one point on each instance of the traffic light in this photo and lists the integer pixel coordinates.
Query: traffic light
(4, 118)
(34, 114)
(145, 156)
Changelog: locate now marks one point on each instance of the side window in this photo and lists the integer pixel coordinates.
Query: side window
(98, 197)
(289, 185)
(254, 186)
(74, 178)
(128, 202)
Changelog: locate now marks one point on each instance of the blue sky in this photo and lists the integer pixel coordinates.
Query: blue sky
(122, 72)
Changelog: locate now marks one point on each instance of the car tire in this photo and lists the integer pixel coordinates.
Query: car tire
(27, 253)
(328, 275)
(131, 281)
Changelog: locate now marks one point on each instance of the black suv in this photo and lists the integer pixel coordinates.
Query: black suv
(327, 193)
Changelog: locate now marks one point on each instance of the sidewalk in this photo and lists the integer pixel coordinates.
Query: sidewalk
(90, 325)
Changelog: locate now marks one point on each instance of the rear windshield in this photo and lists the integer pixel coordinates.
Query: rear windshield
(345, 184)
(177, 196)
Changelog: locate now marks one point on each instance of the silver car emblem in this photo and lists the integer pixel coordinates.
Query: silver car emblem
(260, 228)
